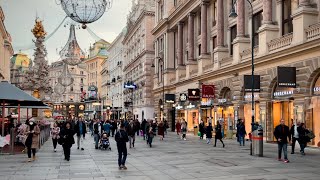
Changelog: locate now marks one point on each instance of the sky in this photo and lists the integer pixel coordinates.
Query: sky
(20, 18)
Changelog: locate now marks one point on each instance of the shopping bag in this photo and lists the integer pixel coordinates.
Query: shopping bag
(199, 134)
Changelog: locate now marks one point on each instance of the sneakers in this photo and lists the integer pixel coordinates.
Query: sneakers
(286, 161)
(82, 149)
(29, 160)
(55, 150)
(124, 167)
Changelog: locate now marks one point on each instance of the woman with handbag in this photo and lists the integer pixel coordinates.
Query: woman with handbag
(55, 136)
(32, 141)
(67, 140)
(303, 137)
(218, 134)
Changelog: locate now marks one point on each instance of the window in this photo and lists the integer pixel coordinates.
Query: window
(287, 26)
(257, 21)
(214, 13)
(71, 88)
(199, 50)
(214, 42)
(175, 2)
(199, 24)
(81, 72)
(81, 80)
(233, 31)
(161, 11)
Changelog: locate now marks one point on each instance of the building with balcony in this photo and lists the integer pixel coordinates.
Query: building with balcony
(197, 43)
(115, 74)
(6, 50)
(71, 102)
(96, 69)
(138, 58)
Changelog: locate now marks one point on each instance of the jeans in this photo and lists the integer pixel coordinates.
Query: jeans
(150, 140)
(112, 132)
(302, 146)
(241, 140)
(33, 152)
(54, 141)
(208, 140)
(131, 140)
(96, 140)
(79, 138)
(294, 140)
(122, 154)
(282, 146)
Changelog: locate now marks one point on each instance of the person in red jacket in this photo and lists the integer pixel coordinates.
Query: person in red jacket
(178, 127)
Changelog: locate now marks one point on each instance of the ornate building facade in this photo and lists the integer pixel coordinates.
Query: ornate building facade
(71, 102)
(6, 50)
(115, 77)
(138, 58)
(198, 43)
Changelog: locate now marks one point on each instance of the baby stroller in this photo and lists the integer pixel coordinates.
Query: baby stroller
(104, 142)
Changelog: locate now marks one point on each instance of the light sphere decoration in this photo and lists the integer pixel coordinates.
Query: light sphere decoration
(71, 53)
(59, 89)
(65, 79)
(85, 11)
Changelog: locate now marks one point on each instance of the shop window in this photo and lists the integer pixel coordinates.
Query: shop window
(257, 21)
(287, 26)
(233, 35)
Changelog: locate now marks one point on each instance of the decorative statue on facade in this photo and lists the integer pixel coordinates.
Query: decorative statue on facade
(37, 77)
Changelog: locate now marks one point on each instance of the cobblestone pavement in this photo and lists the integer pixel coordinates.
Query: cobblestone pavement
(172, 158)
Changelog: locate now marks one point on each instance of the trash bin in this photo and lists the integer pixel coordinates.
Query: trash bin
(195, 130)
(257, 142)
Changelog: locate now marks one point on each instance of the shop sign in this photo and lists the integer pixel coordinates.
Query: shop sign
(222, 101)
(207, 103)
(194, 94)
(179, 107)
(183, 97)
(208, 91)
(92, 90)
(282, 93)
(248, 83)
(249, 96)
(287, 77)
(170, 98)
(191, 106)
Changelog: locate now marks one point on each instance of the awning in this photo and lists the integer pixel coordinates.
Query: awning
(12, 94)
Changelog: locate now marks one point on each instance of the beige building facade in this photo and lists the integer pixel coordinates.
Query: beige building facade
(138, 58)
(198, 43)
(6, 50)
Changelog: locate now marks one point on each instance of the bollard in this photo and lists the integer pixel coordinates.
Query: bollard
(257, 142)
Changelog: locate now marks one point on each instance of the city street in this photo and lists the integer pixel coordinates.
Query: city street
(170, 159)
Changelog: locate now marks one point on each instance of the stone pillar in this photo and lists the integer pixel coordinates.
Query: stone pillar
(180, 44)
(267, 12)
(220, 23)
(318, 10)
(204, 28)
(191, 36)
(241, 18)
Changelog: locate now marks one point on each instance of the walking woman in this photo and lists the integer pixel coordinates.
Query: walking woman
(184, 130)
(67, 140)
(209, 133)
(201, 129)
(55, 136)
(161, 129)
(178, 127)
(218, 134)
(32, 141)
(303, 138)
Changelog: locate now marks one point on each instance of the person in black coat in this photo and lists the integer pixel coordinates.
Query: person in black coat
(218, 134)
(303, 138)
(201, 129)
(67, 140)
(209, 133)
(282, 134)
(122, 138)
(81, 130)
(294, 135)
(113, 127)
(143, 128)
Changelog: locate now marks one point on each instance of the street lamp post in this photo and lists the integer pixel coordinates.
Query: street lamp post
(234, 14)
(162, 74)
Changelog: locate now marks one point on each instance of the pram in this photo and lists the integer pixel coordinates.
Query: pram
(104, 142)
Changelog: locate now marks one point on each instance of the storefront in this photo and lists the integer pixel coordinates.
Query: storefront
(224, 112)
(247, 111)
(207, 110)
(313, 120)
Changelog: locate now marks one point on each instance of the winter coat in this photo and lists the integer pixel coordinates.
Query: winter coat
(77, 128)
(55, 132)
(241, 130)
(303, 138)
(34, 142)
(161, 129)
(209, 131)
(130, 130)
(121, 137)
(282, 132)
(218, 131)
(67, 137)
(178, 126)
(201, 128)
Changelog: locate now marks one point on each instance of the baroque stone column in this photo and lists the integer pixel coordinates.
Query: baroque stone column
(267, 12)
(204, 28)
(241, 18)
(220, 24)
(191, 36)
(180, 43)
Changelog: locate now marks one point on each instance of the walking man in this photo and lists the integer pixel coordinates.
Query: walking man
(81, 131)
(282, 134)
(295, 134)
(122, 138)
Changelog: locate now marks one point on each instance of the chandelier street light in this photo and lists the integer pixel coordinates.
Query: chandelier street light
(85, 11)
(234, 14)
